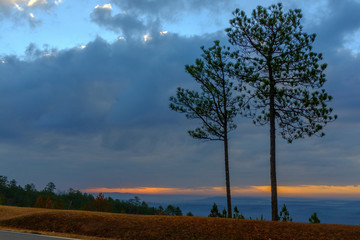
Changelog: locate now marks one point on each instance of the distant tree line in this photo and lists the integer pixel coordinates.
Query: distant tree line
(12, 194)
(284, 215)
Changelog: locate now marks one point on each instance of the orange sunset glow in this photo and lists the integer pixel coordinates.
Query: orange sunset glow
(283, 191)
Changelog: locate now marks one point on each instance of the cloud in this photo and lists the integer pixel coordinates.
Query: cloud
(32, 52)
(117, 93)
(20, 10)
(138, 18)
(34, 3)
(33, 22)
(333, 40)
(130, 25)
(170, 10)
(341, 20)
(105, 6)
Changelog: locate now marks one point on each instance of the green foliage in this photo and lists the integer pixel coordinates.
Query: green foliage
(101, 204)
(2, 199)
(214, 105)
(169, 210)
(214, 212)
(314, 218)
(74, 199)
(50, 187)
(274, 58)
(13, 195)
(172, 211)
(134, 206)
(178, 211)
(285, 215)
(224, 213)
(190, 214)
(261, 218)
(160, 210)
(281, 77)
(237, 214)
(256, 218)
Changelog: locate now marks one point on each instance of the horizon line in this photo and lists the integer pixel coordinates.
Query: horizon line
(303, 191)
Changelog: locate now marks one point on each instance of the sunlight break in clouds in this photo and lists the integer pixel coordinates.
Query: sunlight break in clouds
(147, 37)
(36, 2)
(18, 4)
(18, 7)
(284, 191)
(105, 6)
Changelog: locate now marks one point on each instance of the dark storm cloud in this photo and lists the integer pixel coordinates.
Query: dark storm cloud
(60, 91)
(104, 100)
(141, 17)
(343, 71)
(170, 10)
(342, 18)
(128, 24)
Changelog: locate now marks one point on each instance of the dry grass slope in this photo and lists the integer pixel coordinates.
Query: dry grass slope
(119, 226)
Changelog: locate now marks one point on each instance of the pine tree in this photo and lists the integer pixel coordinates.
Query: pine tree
(314, 218)
(237, 214)
(214, 212)
(215, 106)
(285, 215)
(282, 76)
(190, 214)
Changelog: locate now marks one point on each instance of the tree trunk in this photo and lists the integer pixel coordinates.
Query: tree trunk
(227, 176)
(274, 201)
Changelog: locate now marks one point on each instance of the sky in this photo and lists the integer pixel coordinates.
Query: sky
(84, 99)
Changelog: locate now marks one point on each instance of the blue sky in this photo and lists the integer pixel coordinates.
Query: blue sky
(84, 98)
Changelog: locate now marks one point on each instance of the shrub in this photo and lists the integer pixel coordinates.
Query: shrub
(314, 218)
(285, 215)
(190, 214)
(215, 211)
(237, 214)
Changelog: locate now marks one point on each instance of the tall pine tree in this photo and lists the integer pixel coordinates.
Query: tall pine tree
(214, 105)
(282, 76)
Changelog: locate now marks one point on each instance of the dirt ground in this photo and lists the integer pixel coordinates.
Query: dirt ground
(95, 225)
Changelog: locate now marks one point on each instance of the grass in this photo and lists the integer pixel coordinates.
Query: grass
(95, 225)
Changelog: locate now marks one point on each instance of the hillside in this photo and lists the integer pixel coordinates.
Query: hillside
(121, 226)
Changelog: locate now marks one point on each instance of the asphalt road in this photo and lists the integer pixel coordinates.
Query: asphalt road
(7, 235)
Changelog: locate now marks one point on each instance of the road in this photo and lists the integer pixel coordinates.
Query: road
(7, 235)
